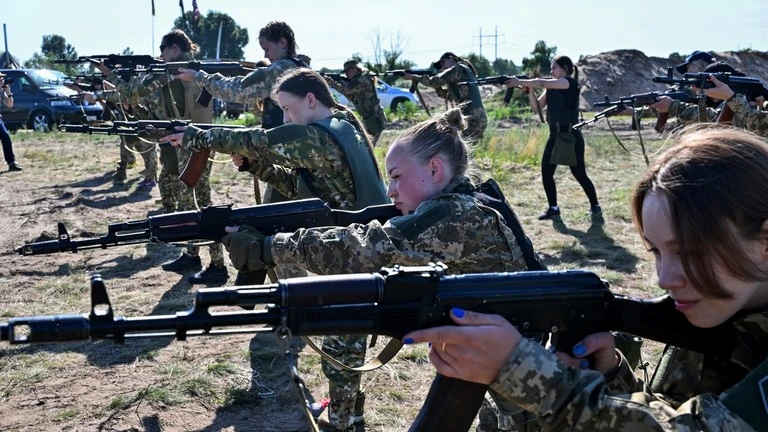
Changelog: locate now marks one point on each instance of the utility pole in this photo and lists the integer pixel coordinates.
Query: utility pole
(495, 37)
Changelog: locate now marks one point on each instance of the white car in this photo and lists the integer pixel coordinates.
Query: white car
(389, 97)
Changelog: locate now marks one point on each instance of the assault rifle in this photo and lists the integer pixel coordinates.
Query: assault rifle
(568, 305)
(209, 223)
(336, 76)
(638, 100)
(748, 86)
(157, 129)
(414, 88)
(498, 80)
(224, 68)
(113, 60)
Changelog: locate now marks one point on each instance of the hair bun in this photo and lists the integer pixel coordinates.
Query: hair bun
(454, 120)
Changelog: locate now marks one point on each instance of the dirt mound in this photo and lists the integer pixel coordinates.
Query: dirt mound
(624, 72)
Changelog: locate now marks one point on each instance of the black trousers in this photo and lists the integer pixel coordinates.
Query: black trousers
(579, 170)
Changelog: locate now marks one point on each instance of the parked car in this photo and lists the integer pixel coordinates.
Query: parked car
(231, 109)
(390, 97)
(40, 101)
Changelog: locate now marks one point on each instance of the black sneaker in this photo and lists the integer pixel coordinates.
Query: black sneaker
(212, 275)
(14, 167)
(550, 213)
(183, 263)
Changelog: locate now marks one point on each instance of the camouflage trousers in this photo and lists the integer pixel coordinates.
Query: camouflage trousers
(344, 386)
(375, 125)
(477, 121)
(148, 154)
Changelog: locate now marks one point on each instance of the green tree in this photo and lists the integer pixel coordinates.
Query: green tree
(482, 64)
(204, 31)
(540, 60)
(505, 67)
(54, 47)
(677, 57)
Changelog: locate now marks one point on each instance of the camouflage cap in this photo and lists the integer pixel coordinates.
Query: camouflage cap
(438, 64)
(349, 64)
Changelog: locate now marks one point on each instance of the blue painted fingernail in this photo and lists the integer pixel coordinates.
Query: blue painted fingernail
(579, 350)
(584, 363)
(408, 341)
(458, 313)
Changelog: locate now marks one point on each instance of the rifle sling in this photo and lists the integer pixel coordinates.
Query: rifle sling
(386, 354)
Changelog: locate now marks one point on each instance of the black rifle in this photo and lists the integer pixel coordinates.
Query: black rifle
(7, 81)
(638, 100)
(748, 86)
(336, 76)
(209, 223)
(113, 60)
(225, 68)
(499, 80)
(569, 305)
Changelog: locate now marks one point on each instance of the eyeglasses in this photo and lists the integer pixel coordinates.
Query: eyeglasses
(162, 47)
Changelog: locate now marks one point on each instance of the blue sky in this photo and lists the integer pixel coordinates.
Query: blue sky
(330, 32)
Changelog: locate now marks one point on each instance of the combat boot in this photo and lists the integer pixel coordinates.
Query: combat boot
(120, 174)
(213, 275)
(184, 263)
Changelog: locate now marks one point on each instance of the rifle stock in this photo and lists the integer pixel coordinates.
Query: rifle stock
(394, 301)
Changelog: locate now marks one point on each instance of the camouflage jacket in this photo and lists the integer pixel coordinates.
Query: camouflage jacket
(688, 112)
(751, 116)
(453, 75)
(250, 88)
(163, 98)
(361, 90)
(307, 147)
(452, 227)
(581, 400)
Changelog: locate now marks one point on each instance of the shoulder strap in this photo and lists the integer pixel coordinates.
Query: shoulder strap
(749, 398)
(489, 193)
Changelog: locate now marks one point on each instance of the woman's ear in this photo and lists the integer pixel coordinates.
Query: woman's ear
(437, 166)
(763, 238)
(311, 100)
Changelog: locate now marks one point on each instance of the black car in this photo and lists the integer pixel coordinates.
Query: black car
(40, 100)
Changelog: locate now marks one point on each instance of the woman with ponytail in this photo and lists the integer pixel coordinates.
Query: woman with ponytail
(565, 145)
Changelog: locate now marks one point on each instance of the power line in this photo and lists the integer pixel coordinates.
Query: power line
(495, 37)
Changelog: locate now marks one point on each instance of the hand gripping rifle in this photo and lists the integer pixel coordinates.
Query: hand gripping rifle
(569, 305)
(748, 86)
(228, 69)
(158, 129)
(414, 88)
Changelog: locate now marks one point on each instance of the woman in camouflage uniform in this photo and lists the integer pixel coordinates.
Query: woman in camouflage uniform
(360, 88)
(279, 44)
(442, 220)
(322, 151)
(702, 212)
(460, 78)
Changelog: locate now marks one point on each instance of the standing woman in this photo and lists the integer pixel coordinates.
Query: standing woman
(561, 96)
(702, 211)
(171, 99)
(360, 88)
(321, 151)
(456, 70)
(279, 44)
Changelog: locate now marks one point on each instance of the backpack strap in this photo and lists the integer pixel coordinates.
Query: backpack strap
(489, 193)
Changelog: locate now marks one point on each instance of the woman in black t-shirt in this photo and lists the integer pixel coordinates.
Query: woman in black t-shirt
(561, 96)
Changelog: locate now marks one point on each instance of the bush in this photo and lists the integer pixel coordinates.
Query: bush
(406, 110)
